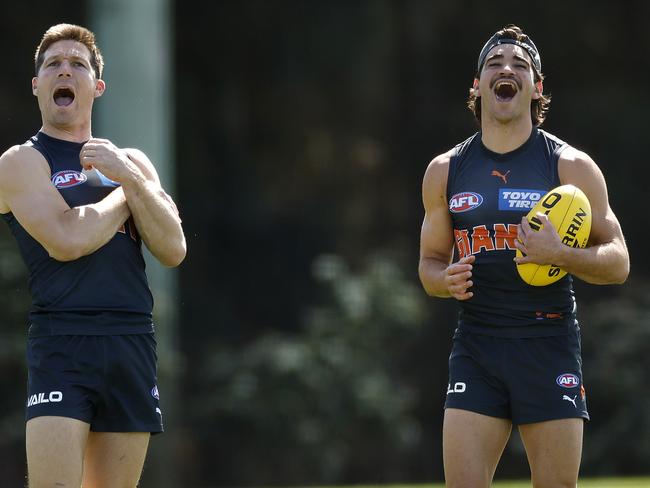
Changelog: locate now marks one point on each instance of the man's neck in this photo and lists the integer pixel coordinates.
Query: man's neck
(503, 138)
(70, 134)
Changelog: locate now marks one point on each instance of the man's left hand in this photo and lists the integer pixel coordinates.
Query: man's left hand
(538, 246)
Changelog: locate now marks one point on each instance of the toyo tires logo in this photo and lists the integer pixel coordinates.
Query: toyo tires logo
(519, 199)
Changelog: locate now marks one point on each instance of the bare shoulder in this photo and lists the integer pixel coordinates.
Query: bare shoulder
(579, 169)
(21, 154)
(575, 164)
(19, 166)
(436, 172)
(439, 166)
(19, 159)
(434, 184)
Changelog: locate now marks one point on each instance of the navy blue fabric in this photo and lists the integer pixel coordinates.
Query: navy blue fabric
(107, 381)
(526, 380)
(488, 194)
(105, 292)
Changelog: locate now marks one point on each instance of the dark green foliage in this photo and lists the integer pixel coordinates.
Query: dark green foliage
(616, 335)
(327, 403)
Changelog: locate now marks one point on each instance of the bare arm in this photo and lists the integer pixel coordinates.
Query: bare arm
(439, 277)
(605, 260)
(65, 233)
(154, 212)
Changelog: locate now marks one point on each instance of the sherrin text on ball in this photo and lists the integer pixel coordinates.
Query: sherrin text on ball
(568, 209)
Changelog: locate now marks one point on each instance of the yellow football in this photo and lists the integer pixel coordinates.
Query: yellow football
(569, 211)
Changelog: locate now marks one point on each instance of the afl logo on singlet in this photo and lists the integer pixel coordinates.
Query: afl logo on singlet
(463, 202)
(68, 178)
(568, 380)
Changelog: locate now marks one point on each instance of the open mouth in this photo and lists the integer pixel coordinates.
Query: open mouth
(63, 97)
(505, 90)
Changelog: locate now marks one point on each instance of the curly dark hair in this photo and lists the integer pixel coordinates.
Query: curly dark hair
(538, 107)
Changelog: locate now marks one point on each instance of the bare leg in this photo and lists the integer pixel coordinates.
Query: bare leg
(114, 459)
(472, 445)
(554, 449)
(55, 451)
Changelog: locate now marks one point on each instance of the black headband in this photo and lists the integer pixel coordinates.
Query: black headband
(526, 43)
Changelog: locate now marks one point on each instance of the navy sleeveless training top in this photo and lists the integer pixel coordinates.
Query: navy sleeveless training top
(105, 292)
(488, 194)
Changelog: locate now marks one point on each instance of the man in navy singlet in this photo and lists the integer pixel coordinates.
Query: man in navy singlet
(515, 357)
(80, 209)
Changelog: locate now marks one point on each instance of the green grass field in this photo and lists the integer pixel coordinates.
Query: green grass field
(583, 483)
(587, 483)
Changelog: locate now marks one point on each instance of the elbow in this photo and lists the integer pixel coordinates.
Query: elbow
(622, 273)
(61, 256)
(621, 270)
(66, 247)
(615, 276)
(64, 252)
(172, 261)
(175, 256)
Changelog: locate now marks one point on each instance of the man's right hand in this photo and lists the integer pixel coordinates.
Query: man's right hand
(111, 161)
(457, 278)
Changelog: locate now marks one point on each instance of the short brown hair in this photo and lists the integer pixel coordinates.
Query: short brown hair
(538, 107)
(64, 32)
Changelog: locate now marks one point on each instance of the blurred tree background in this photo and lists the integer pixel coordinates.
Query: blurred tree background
(310, 352)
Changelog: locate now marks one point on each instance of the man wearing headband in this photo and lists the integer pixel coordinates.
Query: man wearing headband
(515, 357)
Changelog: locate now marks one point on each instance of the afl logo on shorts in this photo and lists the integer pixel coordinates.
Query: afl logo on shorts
(568, 380)
(68, 178)
(463, 202)
(154, 392)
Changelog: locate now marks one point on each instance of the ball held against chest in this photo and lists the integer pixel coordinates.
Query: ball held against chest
(569, 211)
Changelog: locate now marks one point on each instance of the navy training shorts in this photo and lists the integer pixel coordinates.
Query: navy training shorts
(106, 381)
(526, 380)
